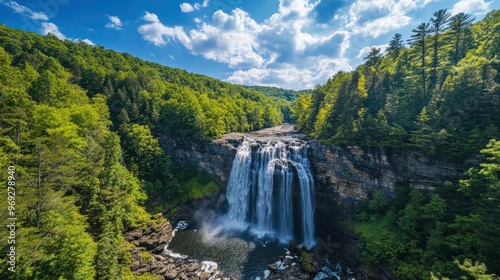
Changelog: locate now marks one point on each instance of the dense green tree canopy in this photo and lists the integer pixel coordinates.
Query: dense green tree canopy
(80, 125)
(439, 95)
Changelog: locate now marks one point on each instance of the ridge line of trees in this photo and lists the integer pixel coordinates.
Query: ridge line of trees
(439, 94)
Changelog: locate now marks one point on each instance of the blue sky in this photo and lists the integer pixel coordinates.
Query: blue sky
(293, 44)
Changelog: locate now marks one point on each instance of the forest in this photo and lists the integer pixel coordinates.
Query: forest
(79, 124)
(437, 92)
(284, 97)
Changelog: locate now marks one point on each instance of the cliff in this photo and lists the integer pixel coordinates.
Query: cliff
(343, 176)
(351, 172)
(215, 157)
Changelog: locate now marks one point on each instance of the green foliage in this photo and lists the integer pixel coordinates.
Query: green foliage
(75, 197)
(396, 45)
(419, 235)
(440, 95)
(476, 270)
(66, 111)
(196, 184)
(281, 93)
(284, 97)
(70, 250)
(112, 257)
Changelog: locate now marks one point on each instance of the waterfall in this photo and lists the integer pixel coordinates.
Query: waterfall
(238, 196)
(260, 189)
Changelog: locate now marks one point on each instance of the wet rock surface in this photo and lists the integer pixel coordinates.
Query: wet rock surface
(146, 249)
(216, 157)
(302, 263)
(298, 263)
(343, 175)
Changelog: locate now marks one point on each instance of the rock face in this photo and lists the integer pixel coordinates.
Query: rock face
(356, 172)
(149, 243)
(345, 175)
(342, 176)
(351, 174)
(215, 157)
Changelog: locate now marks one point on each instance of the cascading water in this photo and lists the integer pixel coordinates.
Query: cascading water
(260, 189)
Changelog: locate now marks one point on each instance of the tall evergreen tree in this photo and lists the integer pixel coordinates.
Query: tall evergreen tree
(395, 45)
(373, 57)
(418, 38)
(439, 21)
(460, 25)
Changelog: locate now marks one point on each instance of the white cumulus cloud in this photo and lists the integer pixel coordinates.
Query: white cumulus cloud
(49, 27)
(86, 41)
(475, 7)
(378, 17)
(188, 8)
(366, 50)
(114, 23)
(283, 50)
(157, 33)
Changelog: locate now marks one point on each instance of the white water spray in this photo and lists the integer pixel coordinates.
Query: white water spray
(260, 189)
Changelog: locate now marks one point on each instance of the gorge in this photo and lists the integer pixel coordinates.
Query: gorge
(342, 175)
(395, 173)
(279, 161)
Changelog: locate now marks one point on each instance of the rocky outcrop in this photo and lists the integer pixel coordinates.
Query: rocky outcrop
(215, 157)
(355, 172)
(153, 238)
(345, 176)
(302, 263)
(298, 263)
(146, 250)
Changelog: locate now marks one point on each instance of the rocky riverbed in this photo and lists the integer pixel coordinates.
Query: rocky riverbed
(147, 248)
(148, 254)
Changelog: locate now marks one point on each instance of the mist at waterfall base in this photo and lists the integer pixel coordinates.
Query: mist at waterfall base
(270, 197)
(238, 254)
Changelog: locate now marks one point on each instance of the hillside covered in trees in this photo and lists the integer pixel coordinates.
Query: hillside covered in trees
(79, 125)
(281, 93)
(440, 95)
(284, 97)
